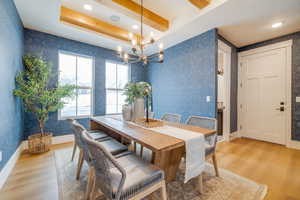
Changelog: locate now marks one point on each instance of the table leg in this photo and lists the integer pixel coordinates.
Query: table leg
(169, 161)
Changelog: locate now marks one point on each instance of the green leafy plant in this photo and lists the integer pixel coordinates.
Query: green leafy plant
(133, 91)
(33, 88)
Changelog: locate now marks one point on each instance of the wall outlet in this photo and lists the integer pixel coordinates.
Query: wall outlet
(207, 98)
(298, 99)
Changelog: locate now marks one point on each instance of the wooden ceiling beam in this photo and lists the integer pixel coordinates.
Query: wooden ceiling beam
(93, 24)
(133, 10)
(200, 3)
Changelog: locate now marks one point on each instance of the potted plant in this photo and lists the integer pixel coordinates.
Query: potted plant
(39, 98)
(135, 94)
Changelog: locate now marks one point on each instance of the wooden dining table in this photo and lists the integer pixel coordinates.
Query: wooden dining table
(167, 151)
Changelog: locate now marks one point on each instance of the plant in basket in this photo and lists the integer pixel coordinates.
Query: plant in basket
(39, 98)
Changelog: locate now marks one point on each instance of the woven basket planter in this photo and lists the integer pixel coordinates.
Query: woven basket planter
(39, 143)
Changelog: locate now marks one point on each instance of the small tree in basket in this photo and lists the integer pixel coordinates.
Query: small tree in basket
(33, 88)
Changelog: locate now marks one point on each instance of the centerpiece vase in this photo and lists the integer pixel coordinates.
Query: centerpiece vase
(127, 112)
(138, 109)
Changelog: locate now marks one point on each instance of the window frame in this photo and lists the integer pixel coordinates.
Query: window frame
(92, 88)
(115, 89)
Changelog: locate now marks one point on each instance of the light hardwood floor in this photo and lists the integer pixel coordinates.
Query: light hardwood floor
(34, 177)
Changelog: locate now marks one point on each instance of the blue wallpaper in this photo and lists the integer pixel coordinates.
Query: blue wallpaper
(188, 74)
(295, 76)
(11, 51)
(49, 45)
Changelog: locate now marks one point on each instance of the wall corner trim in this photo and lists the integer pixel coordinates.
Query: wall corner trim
(7, 169)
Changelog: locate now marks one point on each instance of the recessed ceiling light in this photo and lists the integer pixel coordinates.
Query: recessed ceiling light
(277, 25)
(88, 7)
(135, 27)
(115, 18)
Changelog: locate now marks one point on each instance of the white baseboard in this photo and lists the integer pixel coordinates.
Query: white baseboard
(293, 144)
(7, 169)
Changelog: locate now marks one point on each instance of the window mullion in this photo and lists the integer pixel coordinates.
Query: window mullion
(117, 87)
(76, 68)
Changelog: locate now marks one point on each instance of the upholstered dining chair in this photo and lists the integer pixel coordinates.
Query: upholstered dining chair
(95, 134)
(211, 141)
(124, 178)
(170, 117)
(110, 144)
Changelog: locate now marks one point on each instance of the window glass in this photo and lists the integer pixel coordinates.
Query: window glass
(117, 76)
(76, 70)
(84, 71)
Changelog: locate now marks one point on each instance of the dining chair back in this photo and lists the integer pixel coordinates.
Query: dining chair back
(170, 117)
(203, 122)
(211, 141)
(76, 131)
(106, 167)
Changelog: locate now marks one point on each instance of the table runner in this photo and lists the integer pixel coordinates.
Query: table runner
(194, 147)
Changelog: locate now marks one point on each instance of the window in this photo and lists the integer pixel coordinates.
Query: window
(76, 70)
(117, 75)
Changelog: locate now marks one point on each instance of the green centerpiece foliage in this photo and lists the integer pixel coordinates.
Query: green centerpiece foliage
(133, 91)
(33, 88)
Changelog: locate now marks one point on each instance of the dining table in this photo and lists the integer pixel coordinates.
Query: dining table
(167, 151)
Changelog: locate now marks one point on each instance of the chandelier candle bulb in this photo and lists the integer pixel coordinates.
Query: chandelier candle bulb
(119, 49)
(133, 42)
(161, 46)
(130, 35)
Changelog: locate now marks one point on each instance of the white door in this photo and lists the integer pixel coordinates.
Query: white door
(263, 97)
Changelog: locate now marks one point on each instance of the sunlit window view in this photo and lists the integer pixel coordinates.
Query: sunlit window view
(76, 70)
(117, 75)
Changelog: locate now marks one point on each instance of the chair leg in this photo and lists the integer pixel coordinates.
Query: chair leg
(141, 151)
(164, 191)
(74, 151)
(200, 183)
(93, 185)
(80, 162)
(215, 164)
(152, 157)
(89, 183)
(134, 147)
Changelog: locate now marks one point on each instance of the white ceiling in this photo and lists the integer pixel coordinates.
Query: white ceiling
(242, 22)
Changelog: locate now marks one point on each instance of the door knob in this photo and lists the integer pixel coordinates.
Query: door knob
(281, 108)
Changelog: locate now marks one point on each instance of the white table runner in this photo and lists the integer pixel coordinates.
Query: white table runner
(194, 147)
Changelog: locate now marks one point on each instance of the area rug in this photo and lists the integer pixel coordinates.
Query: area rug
(228, 186)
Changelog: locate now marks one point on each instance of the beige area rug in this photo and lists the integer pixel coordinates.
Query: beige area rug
(228, 186)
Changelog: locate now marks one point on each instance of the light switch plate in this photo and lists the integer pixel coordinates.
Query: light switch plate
(298, 99)
(0, 156)
(207, 98)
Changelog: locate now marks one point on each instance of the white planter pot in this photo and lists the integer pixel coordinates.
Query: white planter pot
(138, 109)
(127, 112)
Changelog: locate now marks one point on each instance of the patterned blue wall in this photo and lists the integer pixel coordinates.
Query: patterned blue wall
(11, 51)
(187, 76)
(49, 45)
(295, 76)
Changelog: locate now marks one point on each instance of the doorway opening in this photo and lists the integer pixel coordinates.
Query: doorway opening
(223, 95)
